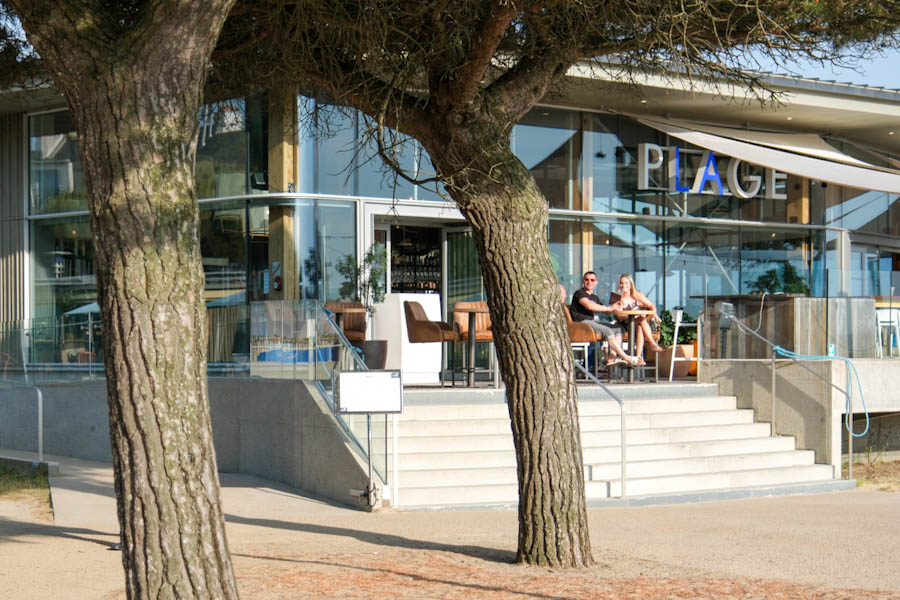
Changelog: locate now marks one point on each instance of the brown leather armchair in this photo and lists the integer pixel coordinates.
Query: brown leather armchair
(353, 324)
(582, 334)
(419, 329)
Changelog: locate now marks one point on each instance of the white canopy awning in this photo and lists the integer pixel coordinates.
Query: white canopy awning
(805, 158)
(84, 309)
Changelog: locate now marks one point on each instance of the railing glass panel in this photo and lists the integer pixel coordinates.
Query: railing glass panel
(274, 339)
(334, 353)
(858, 317)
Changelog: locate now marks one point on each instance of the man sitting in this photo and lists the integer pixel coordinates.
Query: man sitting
(585, 305)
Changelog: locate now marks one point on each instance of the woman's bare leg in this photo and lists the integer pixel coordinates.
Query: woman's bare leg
(648, 333)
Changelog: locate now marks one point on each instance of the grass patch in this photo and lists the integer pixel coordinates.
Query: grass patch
(32, 488)
(882, 474)
(11, 481)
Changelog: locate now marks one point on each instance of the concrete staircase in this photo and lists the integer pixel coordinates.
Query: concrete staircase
(456, 446)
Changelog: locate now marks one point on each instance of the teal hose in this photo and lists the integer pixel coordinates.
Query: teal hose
(851, 373)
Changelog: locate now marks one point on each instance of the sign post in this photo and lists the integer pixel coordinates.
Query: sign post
(367, 392)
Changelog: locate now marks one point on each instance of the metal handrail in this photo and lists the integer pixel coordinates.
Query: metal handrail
(360, 365)
(621, 415)
(848, 393)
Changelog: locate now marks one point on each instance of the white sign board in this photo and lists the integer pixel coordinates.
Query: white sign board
(368, 392)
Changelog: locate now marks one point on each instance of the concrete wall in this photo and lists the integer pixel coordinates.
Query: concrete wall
(12, 225)
(278, 430)
(882, 441)
(806, 407)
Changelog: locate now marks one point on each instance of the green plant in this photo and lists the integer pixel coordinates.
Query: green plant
(686, 335)
(11, 481)
(364, 281)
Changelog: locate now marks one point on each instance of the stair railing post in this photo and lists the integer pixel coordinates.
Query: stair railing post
(622, 415)
(850, 428)
(773, 393)
(40, 408)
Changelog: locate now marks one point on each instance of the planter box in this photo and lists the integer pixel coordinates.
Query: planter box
(682, 368)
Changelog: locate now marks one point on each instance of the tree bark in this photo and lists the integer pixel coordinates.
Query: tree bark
(133, 83)
(509, 217)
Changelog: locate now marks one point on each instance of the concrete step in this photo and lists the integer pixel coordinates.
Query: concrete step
(723, 480)
(457, 477)
(482, 475)
(586, 407)
(466, 427)
(589, 439)
(477, 443)
(450, 396)
(507, 458)
(699, 464)
(652, 405)
(499, 493)
(665, 435)
(687, 449)
(457, 460)
(666, 419)
(495, 494)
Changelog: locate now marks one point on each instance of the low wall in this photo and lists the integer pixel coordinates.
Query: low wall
(809, 408)
(806, 407)
(276, 429)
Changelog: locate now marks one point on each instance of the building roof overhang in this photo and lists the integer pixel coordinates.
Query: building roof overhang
(860, 114)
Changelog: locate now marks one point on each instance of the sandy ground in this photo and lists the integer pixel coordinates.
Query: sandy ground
(285, 545)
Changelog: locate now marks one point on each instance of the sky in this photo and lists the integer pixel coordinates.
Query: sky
(883, 71)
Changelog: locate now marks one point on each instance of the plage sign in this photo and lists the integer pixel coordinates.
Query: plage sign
(707, 180)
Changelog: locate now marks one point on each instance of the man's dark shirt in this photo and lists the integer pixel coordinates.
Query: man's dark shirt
(579, 312)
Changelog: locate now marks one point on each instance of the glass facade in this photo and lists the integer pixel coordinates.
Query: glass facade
(679, 245)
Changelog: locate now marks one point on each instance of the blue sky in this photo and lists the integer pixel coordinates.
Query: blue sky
(883, 71)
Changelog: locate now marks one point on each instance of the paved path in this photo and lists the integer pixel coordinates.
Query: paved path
(285, 545)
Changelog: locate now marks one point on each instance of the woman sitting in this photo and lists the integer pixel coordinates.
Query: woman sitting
(632, 299)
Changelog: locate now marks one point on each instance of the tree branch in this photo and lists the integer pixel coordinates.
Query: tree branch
(463, 87)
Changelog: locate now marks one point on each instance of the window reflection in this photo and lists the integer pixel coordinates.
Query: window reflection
(566, 250)
(336, 230)
(221, 168)
(775, 262)
(548, 142)
(56, 183)
(64, 293)
(335, 150)
(699, 261)
(377, 178)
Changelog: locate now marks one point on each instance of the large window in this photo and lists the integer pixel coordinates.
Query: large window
(221, 168)
(548, 142)
(55, 181)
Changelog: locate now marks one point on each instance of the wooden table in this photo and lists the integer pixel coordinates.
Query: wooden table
(472, 311)
(339, 313)
(632, 315)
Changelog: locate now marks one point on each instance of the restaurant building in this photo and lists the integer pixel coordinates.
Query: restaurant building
(697, 192)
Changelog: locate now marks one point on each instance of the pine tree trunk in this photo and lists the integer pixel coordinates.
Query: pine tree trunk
(135, 100)
(509, 216)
